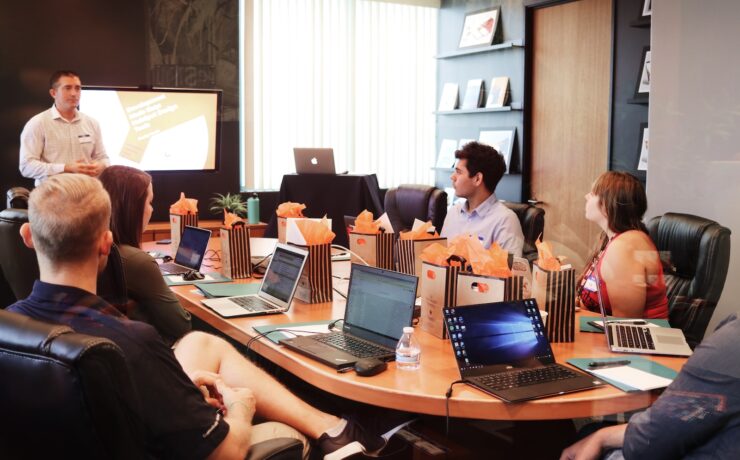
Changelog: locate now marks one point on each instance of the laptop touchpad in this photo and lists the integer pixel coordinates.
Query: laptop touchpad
(669, 339)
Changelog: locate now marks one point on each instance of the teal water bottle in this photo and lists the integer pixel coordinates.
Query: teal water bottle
(253, 209)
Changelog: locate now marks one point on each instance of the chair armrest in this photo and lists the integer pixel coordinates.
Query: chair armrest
(276, 449)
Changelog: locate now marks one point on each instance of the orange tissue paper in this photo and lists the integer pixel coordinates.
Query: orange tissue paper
(184, 206)
(230, 219)
(290, 209)
(315, 232)
(545, 259)
(420, 233)
(364, 223)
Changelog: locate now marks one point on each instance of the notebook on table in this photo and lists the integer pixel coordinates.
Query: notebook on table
(502, 349)
(622, 337)
(379, 304)
(314, 160)
(276, 291)
(190, 252)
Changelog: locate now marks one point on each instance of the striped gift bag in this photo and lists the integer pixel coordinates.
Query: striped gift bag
(236, 261)
(315, 285)
(555, 291)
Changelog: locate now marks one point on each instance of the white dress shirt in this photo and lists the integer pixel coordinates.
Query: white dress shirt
(49, 141)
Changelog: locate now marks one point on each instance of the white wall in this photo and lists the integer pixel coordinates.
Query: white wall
(694, 163)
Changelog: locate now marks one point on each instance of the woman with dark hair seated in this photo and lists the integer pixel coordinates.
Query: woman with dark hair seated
(131, 196)
(625, 266)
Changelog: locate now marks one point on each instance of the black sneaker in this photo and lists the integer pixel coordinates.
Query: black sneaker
(353, 439)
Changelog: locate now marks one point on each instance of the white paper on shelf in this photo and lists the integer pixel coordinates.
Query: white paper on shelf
(633, 377)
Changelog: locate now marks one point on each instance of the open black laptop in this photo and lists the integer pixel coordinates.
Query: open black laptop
(190, 252)
(380, 303)
(502, 349)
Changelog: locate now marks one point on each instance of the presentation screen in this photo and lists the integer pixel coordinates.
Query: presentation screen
(159, 129)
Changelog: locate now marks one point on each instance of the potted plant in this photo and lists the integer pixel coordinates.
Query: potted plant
(232, 203)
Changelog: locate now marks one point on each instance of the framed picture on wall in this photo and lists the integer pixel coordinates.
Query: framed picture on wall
(642, 89)
(647, 8)
(502, 139)
(480, 28)
(642, 163)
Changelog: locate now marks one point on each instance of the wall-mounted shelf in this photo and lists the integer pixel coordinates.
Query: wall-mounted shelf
(485, 49)
(644, 101)
(508, 108)
(641, 23)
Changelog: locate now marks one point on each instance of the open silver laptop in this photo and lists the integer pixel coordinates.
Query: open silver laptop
(623, 337)
(276, 291)
(314, 161)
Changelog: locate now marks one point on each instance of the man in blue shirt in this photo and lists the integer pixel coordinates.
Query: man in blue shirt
(698, 415)
(477, 173)
(197, 398)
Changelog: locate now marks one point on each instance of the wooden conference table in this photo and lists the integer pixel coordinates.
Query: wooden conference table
(422, 391)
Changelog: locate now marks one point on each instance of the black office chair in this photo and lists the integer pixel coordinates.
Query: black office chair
(410, 201)
(696, 256)
(18, 266)
(532, 220)
(69, 395)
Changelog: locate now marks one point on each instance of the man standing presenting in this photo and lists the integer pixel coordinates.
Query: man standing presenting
(477, 173)
(62, 139)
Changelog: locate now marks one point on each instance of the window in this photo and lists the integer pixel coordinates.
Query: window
(355, 75)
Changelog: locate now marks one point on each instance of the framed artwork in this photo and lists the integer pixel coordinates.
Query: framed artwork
(480, 28)
(502, 139)
(642, 89)
(642, 163)
(647, 8)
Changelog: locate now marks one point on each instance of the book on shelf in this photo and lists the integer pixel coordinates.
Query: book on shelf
(446, 158)
(498, 94)
(449, 98)
(473, 94)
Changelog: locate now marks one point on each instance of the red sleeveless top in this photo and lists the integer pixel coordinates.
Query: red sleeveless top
(656, 302)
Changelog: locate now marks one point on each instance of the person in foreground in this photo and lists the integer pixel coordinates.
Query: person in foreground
(197, 400)
(625, 266)
(153, 302)
(62, 139)
(477, 173)
(698, 415)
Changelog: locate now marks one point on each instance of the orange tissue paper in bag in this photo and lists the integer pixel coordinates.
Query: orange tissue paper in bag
(494, 262)
(364, 223)
(435, 254)
(545, 259)
(230, 219)
(290, 209)
(420, 233)
(184, 206)
(315, 232)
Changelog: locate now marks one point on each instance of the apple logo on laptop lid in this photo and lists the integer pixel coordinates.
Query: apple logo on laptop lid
(314, 161)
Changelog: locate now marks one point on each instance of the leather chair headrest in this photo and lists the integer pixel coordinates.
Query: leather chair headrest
(24, 334)
(17, 197)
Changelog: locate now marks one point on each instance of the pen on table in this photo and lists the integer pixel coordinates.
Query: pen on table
(603, 364)
(639, 322)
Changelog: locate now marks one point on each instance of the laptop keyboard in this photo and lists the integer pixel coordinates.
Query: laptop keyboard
(352, 345)
(172, 268)
(634, 337)
(253, 303)
(525, 377)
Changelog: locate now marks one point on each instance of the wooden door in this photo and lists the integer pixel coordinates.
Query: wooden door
(570, 92)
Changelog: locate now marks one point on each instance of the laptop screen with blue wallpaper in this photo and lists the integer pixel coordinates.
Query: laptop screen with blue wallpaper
(504, 335)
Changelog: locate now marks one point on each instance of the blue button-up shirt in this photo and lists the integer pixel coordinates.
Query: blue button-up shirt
(490, 221)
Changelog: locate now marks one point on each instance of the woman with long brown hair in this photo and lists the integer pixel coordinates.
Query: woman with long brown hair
(131, 196)
(625, 266)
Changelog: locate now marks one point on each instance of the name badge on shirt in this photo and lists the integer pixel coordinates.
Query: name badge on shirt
(590, 284)
(84, 138)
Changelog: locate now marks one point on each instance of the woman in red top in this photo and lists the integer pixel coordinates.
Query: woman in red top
(625, 266)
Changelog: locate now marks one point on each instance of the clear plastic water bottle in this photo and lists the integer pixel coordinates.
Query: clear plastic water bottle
(408, 353)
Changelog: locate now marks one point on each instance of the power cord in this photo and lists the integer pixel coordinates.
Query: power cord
(448, 395)
(336, 246)
(257, 271)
